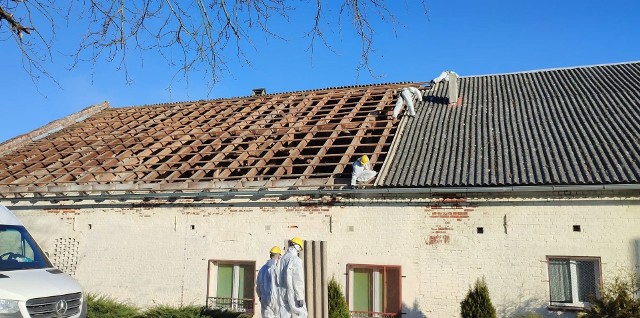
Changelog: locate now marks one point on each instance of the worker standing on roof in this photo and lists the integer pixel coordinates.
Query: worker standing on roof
(406, 96)
(362, 171)
(267, 287)
(291, 281)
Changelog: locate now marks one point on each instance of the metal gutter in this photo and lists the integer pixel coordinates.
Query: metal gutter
(324, 192)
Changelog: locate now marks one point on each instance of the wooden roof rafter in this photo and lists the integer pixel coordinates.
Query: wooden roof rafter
(287, 139)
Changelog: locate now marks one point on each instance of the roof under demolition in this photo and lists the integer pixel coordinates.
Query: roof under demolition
(298, 139)
(575, 126)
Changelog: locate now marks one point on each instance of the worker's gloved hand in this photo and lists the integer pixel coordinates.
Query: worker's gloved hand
(299, 303)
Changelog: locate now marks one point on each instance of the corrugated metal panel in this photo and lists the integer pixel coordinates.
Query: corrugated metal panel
(566, 126)
(314, 257)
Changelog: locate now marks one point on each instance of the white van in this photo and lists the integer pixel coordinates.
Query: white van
(29, 285)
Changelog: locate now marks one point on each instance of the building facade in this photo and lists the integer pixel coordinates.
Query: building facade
(528, 180)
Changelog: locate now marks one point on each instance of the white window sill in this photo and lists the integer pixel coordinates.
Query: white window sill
(566, 307)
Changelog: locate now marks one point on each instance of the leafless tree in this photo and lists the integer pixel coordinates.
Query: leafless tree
(190, 35)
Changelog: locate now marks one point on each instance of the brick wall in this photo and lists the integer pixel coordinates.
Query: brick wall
(159, 254)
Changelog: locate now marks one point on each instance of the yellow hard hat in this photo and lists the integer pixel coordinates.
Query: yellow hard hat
(364, 159)
(275, 250)
(298, 241)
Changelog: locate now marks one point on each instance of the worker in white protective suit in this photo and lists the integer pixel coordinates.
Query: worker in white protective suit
(291, 282)
(362, 171)
(406, 96)
(267, 285)
(444, 76)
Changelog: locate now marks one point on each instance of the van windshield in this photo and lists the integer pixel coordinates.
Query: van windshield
(19, 251)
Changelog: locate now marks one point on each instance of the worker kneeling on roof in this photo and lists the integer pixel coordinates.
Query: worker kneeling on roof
(362, 171)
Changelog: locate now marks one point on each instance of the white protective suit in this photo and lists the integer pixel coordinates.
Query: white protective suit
(362, 173)
(291, 285)
(444, 76)
(406, 96)
(267, 289)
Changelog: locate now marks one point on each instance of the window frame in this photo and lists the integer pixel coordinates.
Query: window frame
(575, 303)
(212, 280)
(37, 257)
(382, 269)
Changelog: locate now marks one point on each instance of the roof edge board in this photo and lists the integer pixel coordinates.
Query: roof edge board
(391, 153)
(52, 127)
(551, 69)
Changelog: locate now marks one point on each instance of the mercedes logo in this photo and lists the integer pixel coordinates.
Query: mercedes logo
(61, 307)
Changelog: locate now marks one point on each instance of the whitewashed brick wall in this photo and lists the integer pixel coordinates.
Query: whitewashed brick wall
(159, 254)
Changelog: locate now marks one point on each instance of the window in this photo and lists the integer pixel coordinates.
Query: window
(231, 285)
(573, 281)
(374, 291)
(19, 251)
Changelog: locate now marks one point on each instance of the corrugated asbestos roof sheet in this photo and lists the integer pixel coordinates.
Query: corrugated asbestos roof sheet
(297, 139)
(574, 126)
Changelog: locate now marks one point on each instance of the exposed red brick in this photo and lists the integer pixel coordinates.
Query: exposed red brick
(62, 211)
(453, 200)
(437, 239)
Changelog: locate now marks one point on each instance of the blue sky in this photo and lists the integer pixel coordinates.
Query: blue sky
(468, 36)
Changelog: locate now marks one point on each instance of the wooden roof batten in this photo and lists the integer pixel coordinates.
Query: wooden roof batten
(299, 139)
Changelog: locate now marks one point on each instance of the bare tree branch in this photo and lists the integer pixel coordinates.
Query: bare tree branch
(191, 36)
(16, 26)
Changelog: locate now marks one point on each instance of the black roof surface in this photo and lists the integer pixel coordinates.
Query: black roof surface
(574, 126)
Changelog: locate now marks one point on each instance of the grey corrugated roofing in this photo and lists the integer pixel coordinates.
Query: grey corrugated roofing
(571, 126)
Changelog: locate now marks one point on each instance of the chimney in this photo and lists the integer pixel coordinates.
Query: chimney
(453, 89)
(259, 92)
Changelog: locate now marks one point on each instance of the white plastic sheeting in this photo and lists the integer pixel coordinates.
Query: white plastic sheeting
(406, 96)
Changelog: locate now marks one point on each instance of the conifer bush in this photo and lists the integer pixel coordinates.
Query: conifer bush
(477, 303)
(338, 307)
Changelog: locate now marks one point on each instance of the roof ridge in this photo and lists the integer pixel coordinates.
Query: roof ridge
(271, 94)
(552, 69)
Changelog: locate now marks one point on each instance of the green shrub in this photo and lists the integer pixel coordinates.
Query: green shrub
(174, 312)
(617, 299)
(338, 307)
(106, 307)
(477, 303)
(217, 313)
(190, 312)
(99, 306)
